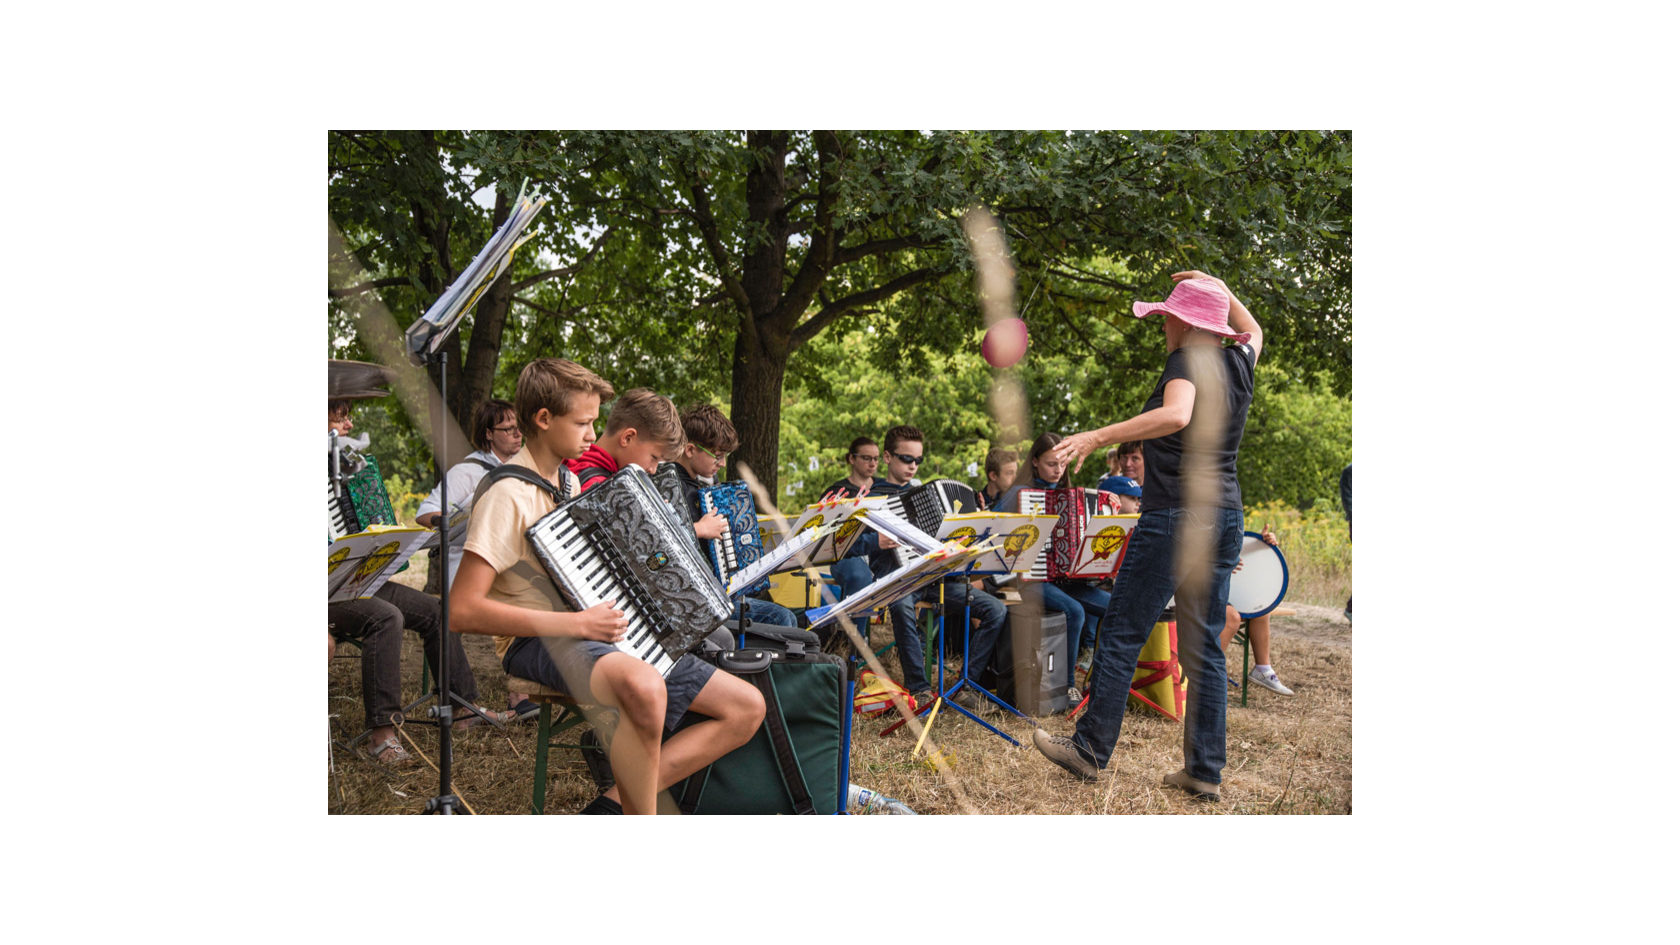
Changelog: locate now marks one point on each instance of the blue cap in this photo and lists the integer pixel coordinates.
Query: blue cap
(1122, 485)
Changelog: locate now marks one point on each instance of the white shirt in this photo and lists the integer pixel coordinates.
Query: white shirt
(463, 479)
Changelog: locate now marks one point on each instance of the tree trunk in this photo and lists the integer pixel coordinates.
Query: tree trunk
(755, 408)
(478, 371)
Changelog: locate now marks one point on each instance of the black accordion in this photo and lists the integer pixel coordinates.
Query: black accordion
(621, 541)
(925, 506)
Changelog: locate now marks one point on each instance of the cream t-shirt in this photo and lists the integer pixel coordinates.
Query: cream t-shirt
(497, 534)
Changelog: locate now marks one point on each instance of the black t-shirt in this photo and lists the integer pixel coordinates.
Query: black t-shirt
(1165, 458)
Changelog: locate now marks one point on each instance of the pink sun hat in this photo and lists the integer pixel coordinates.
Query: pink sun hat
(1201, 303)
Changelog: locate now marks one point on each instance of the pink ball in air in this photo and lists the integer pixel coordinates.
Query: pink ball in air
(1005, 343)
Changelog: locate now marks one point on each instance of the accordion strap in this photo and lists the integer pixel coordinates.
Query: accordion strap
(523, 474)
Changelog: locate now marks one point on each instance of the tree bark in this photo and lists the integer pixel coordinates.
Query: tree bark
(755, 407)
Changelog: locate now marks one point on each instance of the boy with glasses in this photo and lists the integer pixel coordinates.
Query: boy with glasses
(710, 438)
(905, 452)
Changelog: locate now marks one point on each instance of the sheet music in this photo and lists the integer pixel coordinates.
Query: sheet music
(943, 560)
(787, 556)
(458, 522)
(1012, 539)
(1098, 553)
(822, 514)
(359, 564)
(433, 328)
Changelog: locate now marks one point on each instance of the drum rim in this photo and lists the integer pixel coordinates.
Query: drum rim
(1282, 562)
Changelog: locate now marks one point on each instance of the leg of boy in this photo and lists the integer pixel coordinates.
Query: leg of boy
(637, 691)
(734, 710)
(909, 639)
(770, 612)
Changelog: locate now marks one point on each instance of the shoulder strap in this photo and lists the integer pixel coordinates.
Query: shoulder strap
(523, 474)
(480, 462)
(776, 727)
(590, 472)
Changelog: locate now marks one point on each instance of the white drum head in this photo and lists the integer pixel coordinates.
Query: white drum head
(1264, 577)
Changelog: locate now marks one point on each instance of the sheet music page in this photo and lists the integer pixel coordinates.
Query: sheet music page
(1098, 553)
(891, 586)
(359, 564)
(789, 555)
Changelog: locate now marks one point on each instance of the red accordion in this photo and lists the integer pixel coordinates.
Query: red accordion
(1075, 551)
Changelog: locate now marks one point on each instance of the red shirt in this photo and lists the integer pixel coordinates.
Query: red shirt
(596, 457)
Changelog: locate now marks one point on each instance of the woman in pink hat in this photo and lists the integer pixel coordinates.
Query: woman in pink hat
(1189, 533)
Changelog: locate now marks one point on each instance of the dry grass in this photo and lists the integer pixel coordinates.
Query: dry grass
(1285, 754)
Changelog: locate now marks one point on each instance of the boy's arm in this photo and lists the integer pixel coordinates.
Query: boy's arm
(472, 610)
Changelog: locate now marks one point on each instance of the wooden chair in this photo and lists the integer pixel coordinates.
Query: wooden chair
(571, 716)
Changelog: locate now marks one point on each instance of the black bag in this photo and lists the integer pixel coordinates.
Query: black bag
(796, 762)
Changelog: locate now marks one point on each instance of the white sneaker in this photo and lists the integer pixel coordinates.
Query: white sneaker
(1269, 678)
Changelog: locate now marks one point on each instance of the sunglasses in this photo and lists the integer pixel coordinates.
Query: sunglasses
(908, 460)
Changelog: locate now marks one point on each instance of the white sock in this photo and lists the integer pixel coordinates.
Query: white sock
(1262, 668)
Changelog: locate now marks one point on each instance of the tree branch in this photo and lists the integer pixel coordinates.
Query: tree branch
(707, 225)
(368, 286)
(816, 323)
(819, 258)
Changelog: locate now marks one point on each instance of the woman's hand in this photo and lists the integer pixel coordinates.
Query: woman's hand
(1198, 274)
(1075, 448)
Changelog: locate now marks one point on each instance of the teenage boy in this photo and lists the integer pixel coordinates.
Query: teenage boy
(905, 450)
(502, 589)
(375, 624)
(1001, 467)
(1130, 492)
(710, 437)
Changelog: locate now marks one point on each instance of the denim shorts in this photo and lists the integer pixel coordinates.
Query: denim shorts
(562, 659)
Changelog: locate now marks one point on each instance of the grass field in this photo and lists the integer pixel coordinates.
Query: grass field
(1285, 754)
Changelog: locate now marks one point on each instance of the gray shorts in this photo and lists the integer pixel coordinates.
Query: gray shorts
(565, 664)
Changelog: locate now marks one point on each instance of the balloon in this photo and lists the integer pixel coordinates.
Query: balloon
(1005, 343)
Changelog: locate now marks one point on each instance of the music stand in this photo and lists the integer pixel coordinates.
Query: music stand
(962, 676)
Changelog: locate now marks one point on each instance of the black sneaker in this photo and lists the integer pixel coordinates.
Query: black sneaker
(595, 757)
(602, 805)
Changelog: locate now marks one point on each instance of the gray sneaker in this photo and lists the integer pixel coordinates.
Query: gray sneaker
(1202, 790)
(1269, 679)
(1059, 748)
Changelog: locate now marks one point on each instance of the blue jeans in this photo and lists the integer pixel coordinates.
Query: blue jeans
(764, 611)
(852, 574)
(1074, 600)
(1149, 577)
(982, 643)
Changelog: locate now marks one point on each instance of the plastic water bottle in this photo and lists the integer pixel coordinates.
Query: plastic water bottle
(863, 799)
